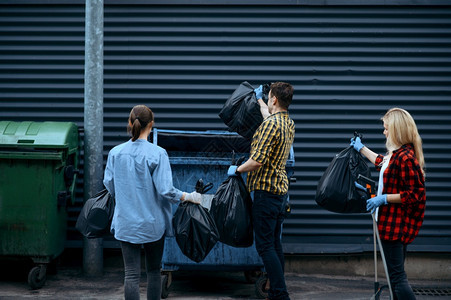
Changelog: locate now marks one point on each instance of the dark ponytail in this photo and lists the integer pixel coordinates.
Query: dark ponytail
(140, 117)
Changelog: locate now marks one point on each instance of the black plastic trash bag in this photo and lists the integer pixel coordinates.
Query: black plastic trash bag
(95, 217)
(241, 112)
(336, 190)
(195, 231)
(231, 208)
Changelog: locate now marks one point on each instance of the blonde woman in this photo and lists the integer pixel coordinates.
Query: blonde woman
(401, 195)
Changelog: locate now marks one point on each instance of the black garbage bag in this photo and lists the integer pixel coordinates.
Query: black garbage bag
(231, 208)
(95, 217)
(336, 190)
(195, 231)
(241, 112)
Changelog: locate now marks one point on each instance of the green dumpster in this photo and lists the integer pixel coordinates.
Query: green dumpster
(38, 168)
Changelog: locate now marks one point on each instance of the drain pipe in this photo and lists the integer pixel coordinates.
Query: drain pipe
(93, 125)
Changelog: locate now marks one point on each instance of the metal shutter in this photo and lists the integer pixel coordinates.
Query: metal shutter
(348, 64)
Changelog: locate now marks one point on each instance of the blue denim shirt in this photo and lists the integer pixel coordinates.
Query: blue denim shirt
(138, 175)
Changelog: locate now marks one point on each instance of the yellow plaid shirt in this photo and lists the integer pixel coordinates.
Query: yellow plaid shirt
(271, 146)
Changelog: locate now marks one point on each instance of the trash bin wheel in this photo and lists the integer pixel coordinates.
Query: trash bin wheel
(260, 287)
(37, 277)
(252, 276)
(166, 280)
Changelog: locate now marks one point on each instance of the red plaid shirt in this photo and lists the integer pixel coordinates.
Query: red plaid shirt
(403, 176)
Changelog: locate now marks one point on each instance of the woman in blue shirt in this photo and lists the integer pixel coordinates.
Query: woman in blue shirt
(138, 175)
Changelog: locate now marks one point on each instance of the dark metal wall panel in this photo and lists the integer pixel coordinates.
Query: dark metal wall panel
(348, 66)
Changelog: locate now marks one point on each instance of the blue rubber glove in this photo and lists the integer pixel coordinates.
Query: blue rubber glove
(359, 186)
(373, 203)
(232, 171)
(259, 92)
(357, 144)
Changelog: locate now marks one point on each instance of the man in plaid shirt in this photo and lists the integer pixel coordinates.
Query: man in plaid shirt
(401, 198)
(268, 181)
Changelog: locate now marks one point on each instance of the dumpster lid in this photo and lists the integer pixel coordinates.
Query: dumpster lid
(200, 141)
(52, 135)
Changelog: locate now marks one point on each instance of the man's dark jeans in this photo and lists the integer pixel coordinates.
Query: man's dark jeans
(395, 254)
(268, 213)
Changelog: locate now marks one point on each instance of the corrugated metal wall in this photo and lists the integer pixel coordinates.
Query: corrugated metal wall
(348, 64)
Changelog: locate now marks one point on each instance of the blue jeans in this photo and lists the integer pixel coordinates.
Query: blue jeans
(395, 254)
(268, 215)
(132, 265)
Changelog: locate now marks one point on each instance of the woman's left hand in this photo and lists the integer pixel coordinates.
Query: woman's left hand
(373, 203)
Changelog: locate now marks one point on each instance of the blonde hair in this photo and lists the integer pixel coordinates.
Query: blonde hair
(402, 130)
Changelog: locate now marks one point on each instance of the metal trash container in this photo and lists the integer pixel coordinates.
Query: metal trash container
(38, 164)
(206, 155)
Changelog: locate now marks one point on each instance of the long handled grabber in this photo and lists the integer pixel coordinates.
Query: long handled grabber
(371, 189)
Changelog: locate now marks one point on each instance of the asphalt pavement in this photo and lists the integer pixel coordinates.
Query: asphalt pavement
(70, 283)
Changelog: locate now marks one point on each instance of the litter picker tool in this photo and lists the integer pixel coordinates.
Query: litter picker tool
(371, 189)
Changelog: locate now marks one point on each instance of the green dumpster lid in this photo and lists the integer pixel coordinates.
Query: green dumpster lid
(39, 135)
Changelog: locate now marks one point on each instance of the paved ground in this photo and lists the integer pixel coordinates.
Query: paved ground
(70, 283)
